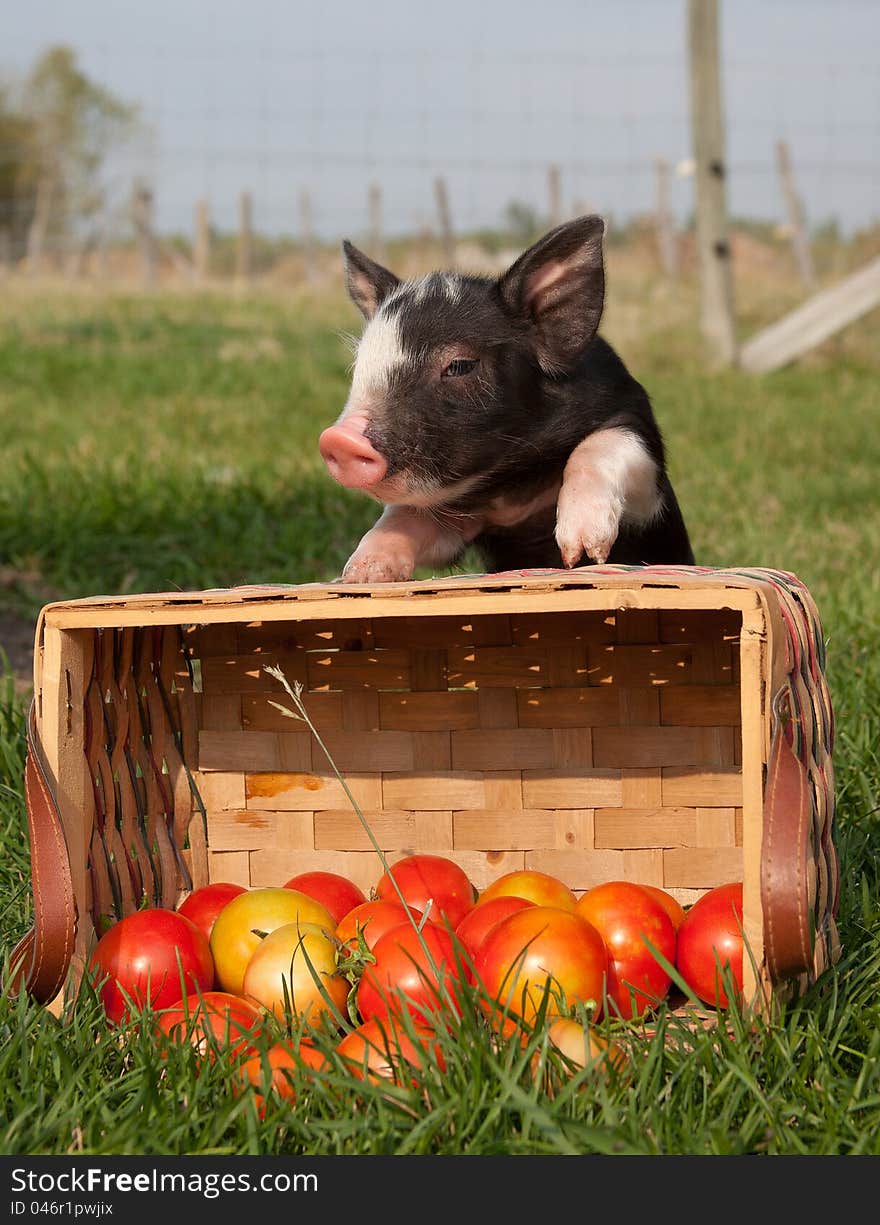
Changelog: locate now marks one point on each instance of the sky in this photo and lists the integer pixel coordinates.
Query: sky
(283, 98)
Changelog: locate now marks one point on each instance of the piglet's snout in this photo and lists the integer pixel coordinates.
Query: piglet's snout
(351, 458)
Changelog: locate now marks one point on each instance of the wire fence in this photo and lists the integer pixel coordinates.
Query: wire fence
(248, 156)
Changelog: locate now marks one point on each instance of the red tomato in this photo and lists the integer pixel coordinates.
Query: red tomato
(537, 947)
(373, 919)
(204, 904)
(538, 887)
(336, 893)
(403, 977)
(671, 905)
(211, 1020)
(711, 936)
(477, 923)
(430, 878)
(627, 916)
(156, 956)
(377, 1048)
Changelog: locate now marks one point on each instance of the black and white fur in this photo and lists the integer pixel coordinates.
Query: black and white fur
(501, 419)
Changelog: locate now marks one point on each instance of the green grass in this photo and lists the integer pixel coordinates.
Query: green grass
(154, 444)
(149, 449)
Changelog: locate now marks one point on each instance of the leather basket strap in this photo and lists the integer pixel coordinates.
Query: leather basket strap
(784, 889)
(42, 957)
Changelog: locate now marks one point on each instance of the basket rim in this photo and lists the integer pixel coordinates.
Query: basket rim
(280, 601)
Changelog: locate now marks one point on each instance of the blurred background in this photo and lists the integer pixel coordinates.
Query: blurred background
(181, 143)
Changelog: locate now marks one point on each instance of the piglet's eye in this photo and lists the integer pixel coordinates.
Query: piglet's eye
(461, 365)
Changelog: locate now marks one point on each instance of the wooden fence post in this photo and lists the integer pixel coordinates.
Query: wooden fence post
(793, 207)
(244, 264)
(202, 242)
(142, 218)
(707, 125)
(307, 232)
(39, 225)
(102, 262)
(377, 242)
(667, 239)
(554, 195)
(447, 237)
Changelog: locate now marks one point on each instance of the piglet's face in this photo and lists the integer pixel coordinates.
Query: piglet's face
(448, 374)
(430, 393)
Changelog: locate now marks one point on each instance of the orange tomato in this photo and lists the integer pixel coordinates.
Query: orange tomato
(277, 1067)
(543, 949)
(537, 887)
(477, 923)
(629, 919)
(378, 1048)
(373, 919)
(215, 1019)
(671, 905)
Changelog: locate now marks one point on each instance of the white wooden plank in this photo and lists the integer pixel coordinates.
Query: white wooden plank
(815, 320)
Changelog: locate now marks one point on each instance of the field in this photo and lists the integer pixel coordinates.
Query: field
(169, 441)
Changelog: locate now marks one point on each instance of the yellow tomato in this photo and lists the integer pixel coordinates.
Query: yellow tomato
(582, 1045)
(247, 918)
(294, 968)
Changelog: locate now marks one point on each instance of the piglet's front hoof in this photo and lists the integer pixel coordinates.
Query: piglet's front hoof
(590, 530)
(376, 569)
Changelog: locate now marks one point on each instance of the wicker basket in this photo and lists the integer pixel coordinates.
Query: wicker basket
(669, 726)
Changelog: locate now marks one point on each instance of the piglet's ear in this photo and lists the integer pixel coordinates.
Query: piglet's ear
(369, 284)
(559, 286)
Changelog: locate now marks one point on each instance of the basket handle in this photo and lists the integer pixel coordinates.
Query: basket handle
(787, 823)
(41, 959)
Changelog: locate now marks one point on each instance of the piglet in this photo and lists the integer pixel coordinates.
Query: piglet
(489, 413)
